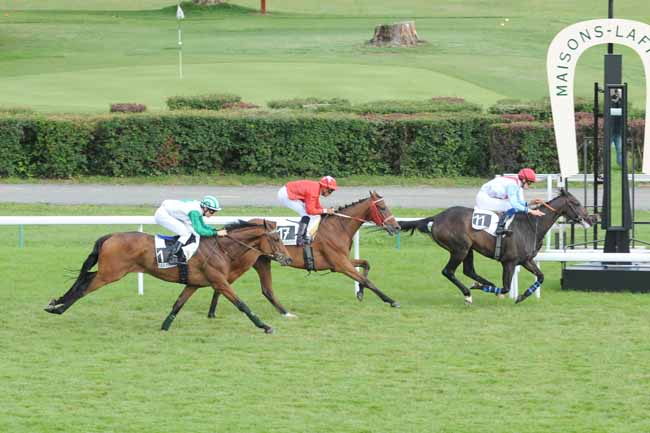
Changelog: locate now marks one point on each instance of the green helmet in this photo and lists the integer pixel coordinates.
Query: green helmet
(210, 202)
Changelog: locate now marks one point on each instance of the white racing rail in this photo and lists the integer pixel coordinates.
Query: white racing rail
(141, 221)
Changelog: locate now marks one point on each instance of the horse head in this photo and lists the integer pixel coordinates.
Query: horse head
(271, 244)
(263, 237)
(567, 205)
(381, 215)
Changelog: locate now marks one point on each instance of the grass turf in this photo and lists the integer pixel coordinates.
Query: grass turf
(56, 58)
(571, 361)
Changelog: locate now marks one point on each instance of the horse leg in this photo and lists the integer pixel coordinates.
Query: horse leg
(86, 283)
(349, 270)
(263, 269)
(213, 304)
(186, 294)
(229, 293)
(532, 267)
(508, 272)
(449, 272)
(85, 278)
(480, 282)
(360, 263)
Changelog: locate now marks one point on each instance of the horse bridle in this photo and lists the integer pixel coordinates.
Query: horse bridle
(376, 216)
(266, 233)
(578, 218)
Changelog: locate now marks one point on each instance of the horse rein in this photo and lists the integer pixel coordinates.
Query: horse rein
(577, 218)
(382, 222)
(551, 208)
(240, 243)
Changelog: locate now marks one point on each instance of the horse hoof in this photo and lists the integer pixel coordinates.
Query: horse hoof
(54, 309)
(519, 299)
(360, 295)
(211, 316)
(468, 300)
(269, 330)
(501, 296)
(289, 315)
(395, 304)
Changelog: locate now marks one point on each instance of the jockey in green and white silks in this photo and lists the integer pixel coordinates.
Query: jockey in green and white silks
(185, 218)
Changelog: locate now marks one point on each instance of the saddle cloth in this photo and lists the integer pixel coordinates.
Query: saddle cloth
(288, 229)
(162, 253)
(487, 220)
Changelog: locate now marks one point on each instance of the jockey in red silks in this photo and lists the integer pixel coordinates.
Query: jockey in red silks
(303, 196)
(505, 194)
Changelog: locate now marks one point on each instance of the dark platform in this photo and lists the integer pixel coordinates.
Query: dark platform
(604, 277)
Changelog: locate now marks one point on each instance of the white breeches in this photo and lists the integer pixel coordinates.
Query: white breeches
(163, 218)
(484, 201)
(297, 206)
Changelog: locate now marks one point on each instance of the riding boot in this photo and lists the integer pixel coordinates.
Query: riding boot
(301, 236)
(308, 256)
(172, 256)
(180, 256)
(501, 225)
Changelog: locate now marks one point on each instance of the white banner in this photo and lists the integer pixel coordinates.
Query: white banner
(561, 60)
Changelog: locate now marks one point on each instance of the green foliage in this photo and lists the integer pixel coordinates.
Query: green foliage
(540, 110)
(128, 108)
(308, 103)
(130, 146)
(14, 161)
(201, 102)
(280, 144)
(15, 110)
(434, 105)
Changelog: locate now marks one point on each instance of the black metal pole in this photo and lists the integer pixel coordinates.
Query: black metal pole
(610, 15)
(595, 161)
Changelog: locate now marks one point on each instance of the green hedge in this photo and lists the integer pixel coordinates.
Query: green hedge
(201, 102)
(44, 147)
(307, 103)
(277, 144)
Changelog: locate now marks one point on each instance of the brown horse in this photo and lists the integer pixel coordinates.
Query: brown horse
(331, 249)
(452, 230)
(217, 263)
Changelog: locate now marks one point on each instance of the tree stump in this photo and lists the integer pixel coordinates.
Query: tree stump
(398, 34)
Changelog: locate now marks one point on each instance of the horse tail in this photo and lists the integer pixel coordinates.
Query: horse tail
(84, 275)
(421, 225)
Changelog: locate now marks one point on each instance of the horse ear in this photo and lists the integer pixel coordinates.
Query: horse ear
(563, 191)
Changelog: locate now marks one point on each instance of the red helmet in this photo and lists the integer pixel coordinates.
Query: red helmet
(527, 175)
(328, 182)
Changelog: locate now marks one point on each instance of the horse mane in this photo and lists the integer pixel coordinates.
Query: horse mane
(240, 224)
(351, 204)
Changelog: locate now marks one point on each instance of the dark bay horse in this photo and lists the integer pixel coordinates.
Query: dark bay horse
(217, 263)
(452, 230)
(331, 249)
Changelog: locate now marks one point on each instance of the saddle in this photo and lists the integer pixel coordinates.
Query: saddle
(487, 221)
(165, 259)
(288, 230)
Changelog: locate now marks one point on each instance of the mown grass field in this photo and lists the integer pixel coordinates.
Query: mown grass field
(74, 56)
(570, 361)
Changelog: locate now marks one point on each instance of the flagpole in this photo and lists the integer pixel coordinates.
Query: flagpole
(179, 17)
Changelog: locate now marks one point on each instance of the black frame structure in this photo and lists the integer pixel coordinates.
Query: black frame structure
(614, 276)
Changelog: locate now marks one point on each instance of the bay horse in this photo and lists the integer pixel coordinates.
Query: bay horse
(217, 262)
(331, 249)
(452, 230)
